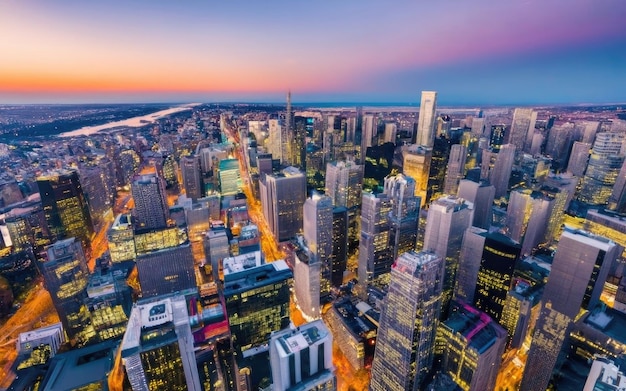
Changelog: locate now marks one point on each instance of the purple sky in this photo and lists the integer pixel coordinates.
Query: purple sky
(472, 52)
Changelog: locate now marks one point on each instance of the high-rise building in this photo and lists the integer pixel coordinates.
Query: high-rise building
(318, 234)
(495, 274)
(66, 275)
(302, 358)
(301, 126)
(427, 119)
(474, 345)
(522, 128)
(151, 209)
(404, 215)
(469, 264)
(578, 158)
(339, 254)
(481, 195)
(408, 323)
(617, 200)
(448, 218)
(517, 312)
(391, 130)
(416, 165)
(527, 216)
(157, 349)
(65, 206)
(229, 177)
(456, 169)
(579, 270)
(307, 283)
(257, 302)
(344, 182)
(606, 160)
(501, 173)
(282, 197)
(375, 256)
(605, 375)
(192, 183)
(121, 239)
(286, 134)
(497, 136)
(166, 271)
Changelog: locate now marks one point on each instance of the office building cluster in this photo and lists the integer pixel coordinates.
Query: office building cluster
(264, 248)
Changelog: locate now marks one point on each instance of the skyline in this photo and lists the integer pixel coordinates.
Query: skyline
(527, 52)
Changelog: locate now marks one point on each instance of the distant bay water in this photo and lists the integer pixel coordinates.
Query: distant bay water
(134, 122)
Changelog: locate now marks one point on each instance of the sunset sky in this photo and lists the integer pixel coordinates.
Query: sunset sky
(471, 52)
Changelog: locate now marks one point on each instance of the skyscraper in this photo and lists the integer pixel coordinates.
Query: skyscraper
(408, 323)
(66, 277)
(339, 254)
(166, 271)
(344, 182)
(526, 217)
(617, 200)
(579, 270)
(375, 256)
(151, 209)
(501, 173)
(65, 206)
(404, 215)
(481, 195)
(578, 158)
(495, 274)
(448, 218)
(302, 358)
(282, 197)
(257, 302)
(522, 128)
(192, 183)
(605, 162)
(427, 119)
(455, 170)
(157, 348)
(318, 233)
(474, 347)
(416, 165)
(286, 134)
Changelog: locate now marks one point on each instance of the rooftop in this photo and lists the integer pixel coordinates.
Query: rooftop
(478, 329)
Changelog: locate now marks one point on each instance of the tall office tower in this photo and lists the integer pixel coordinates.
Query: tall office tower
(501, 173)
(527, 216)
(605, 375)
(456, 169)
(95, 189)
(391, 130)
(605, 162)
(442, 127)
(192, 183)
(495, 273)
(344, 184)
(229, 177)
(617, 200)
(151, 210)
(481, 195)
(307, 282)
(559, 142)
(318, 233)
(448, 218)
(437, 171)
(579, 270)
(578, 158)
(416, 164)
(286, 135)
(522, 129)
(474, 347)
(216, 249)
(65, 206)
(375, 257)
(166, 271)
(558, 205)
(66, 275)
(427, 119)
(157, 348)
(275, 142)
(282, 198)
(478, 126)
(404, 215)
(298, 147)
(257, 303)
(302, 358)
(589, 129)
(121, 239)
(497, 136)
(517, 312)
(339, 254)
(369, 130)
(408, 323)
